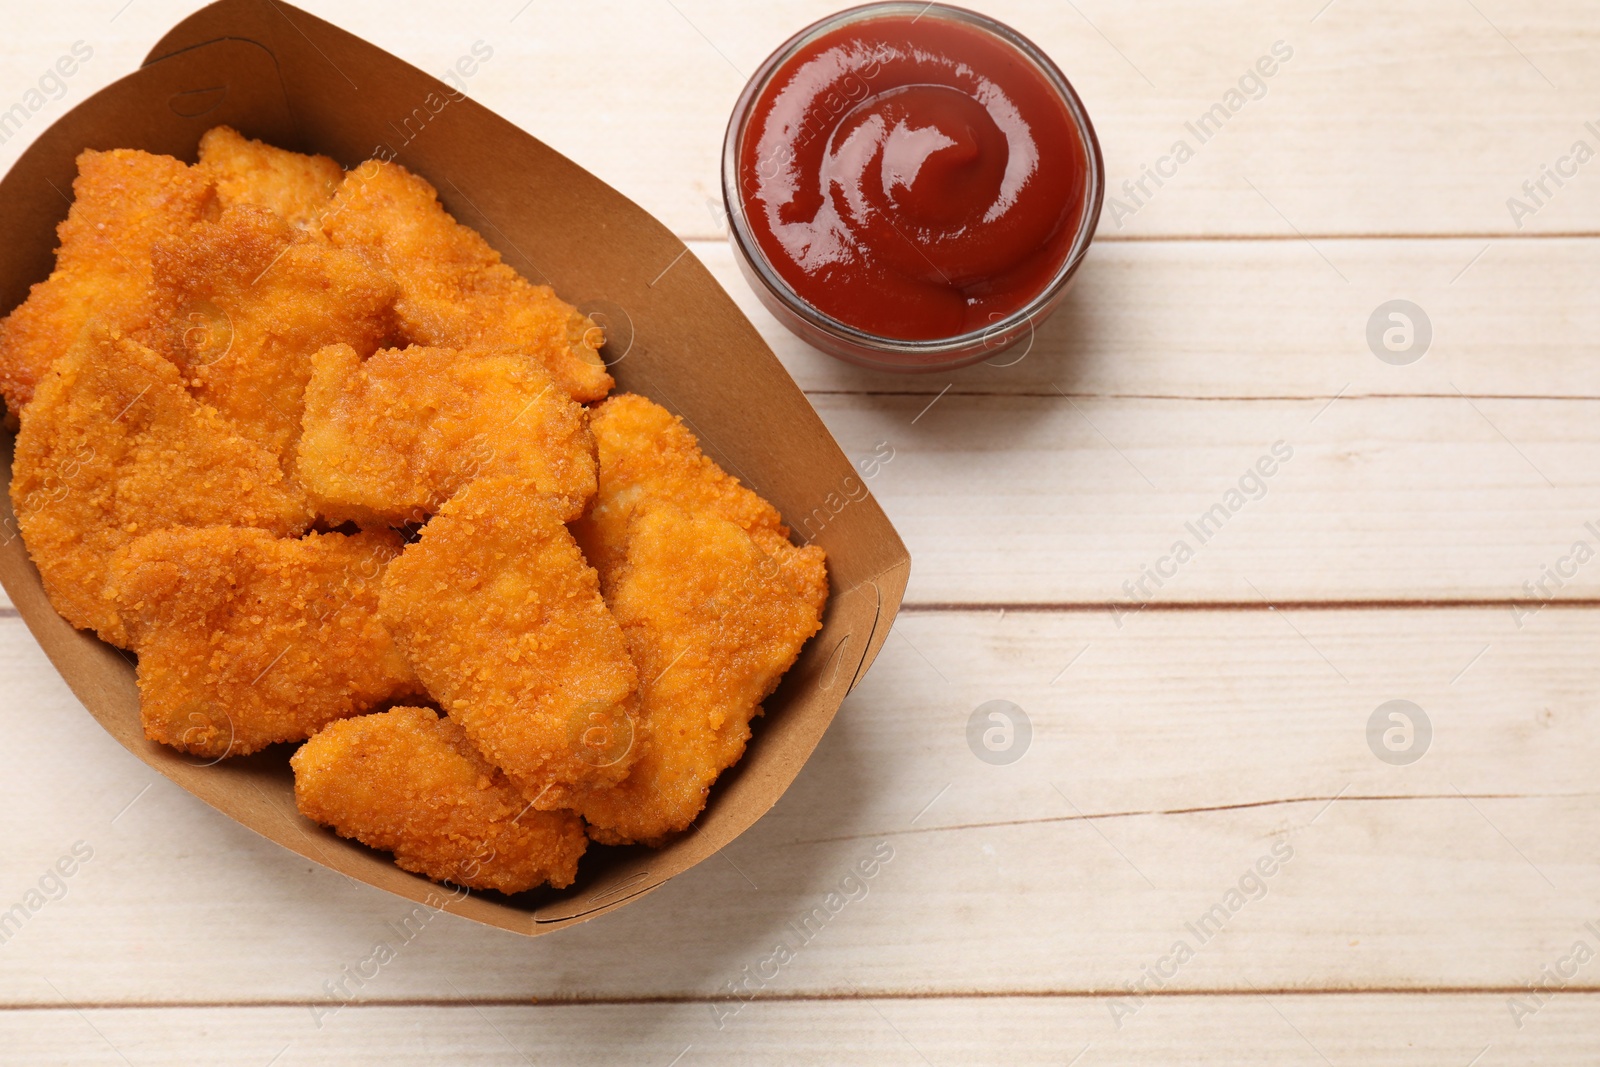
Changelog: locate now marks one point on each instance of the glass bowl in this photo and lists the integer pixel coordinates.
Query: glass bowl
(888, 353)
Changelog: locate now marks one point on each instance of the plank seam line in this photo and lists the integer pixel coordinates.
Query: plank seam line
(951, 607)
(937, 607)
(933, 607)
(1046, 820)
(1278, 238)
(782, 998)
(1028, 394)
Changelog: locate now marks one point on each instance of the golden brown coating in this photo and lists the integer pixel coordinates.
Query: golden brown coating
(647, 456)
(205, 373)
(408, 781)
(712, 626)
(300, 188)
(390, 439)
(113, 447)
(502, 619)
(246, 639)
(454, 289)
(124, 202)
(247, 304)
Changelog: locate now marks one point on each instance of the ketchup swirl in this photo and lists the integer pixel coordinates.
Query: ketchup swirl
(916, 178)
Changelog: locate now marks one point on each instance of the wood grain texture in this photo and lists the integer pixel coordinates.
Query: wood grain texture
(1165, 763)
(1058, 500)
(1362, 132)
(1375, 1030)
(1329, 149)
(1172, 748)
(1270, 320)
(1048, 499)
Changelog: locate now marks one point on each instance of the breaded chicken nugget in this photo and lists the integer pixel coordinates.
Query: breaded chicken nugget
(114, 447)
(390, 439)
(712, 626)
(409, 782)
(298, 187)
(503, 622)
(454, 289)
(648, 456)
(247, 305)
(245, 639)
(124, 202)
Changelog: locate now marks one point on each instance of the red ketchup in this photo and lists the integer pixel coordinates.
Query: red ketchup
(913, 177)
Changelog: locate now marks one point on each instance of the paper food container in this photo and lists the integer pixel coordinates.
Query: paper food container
(278, 74)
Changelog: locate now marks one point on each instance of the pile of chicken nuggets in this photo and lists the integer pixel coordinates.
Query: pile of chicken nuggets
(341, 477)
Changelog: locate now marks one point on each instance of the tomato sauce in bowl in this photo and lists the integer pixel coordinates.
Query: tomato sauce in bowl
(911, 185)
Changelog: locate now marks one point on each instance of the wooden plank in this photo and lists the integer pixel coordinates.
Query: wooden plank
(1361, 132)
(1171, 751)
(1235, 319)
(1246, 319)
(1375, 1030)
(1046, 499)
(1221, 319)
(1057, 500)
(1195, 743)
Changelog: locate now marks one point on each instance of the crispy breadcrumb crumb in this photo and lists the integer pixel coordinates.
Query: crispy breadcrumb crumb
(647, 456)
(113, 447)
(712, 626)
(408, 781)
(503, 621)
(454, 290)
(392, 438)
(124, 201)
(246, 303)
(298, 187)
(245, 639)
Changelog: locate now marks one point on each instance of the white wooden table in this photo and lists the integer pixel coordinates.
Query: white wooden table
(1398, 555)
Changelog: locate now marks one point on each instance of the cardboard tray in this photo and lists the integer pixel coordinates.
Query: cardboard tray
(279, 74)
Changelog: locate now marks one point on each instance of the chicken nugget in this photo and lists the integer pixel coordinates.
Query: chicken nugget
(298, 187)
(454, 289)
(647, 456)
(502, 619)
(390, 439)
(712, 626)
(124, 202)
(246, 639)
(408, 781)
(114, 447)
(246, 305)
